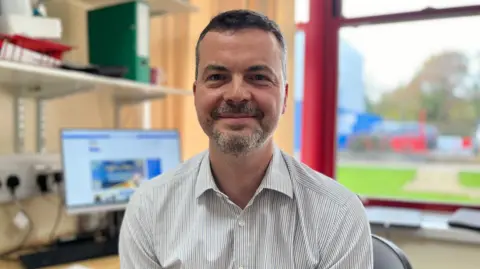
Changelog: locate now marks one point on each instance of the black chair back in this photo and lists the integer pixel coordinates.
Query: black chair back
(386, 255)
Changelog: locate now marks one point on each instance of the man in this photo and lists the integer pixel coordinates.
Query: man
(243, 203)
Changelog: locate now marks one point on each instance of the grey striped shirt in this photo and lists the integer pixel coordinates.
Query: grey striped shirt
(298, 218)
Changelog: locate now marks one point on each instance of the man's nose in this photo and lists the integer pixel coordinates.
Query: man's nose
(237, 91)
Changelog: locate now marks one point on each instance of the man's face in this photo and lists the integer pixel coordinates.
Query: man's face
(240, 92)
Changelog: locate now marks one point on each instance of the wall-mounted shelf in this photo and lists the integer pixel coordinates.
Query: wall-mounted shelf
(157, 7)
(45, 83)
(28, 81)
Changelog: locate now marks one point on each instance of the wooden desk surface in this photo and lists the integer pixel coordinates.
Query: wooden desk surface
(103, 263)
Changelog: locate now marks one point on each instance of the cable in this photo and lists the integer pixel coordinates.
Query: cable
(57, 221)
(57, 179)
(13, 182)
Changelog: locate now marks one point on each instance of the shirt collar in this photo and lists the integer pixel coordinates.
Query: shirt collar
(277, 177)
(205, 179)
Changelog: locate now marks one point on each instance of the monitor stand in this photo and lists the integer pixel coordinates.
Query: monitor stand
(115, 219)
(110, 232)
(82, 247)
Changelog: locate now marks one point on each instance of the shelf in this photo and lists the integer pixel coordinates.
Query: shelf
(38, 82)
(160, 7)
(157, 7)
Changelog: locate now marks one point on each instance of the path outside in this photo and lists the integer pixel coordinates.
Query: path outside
(441, 179)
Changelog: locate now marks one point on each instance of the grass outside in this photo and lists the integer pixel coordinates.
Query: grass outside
(390, 182)
(470, 179)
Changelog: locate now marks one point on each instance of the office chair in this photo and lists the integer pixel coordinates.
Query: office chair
(386, 255)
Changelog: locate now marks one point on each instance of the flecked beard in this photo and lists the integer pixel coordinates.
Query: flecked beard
(237, 144)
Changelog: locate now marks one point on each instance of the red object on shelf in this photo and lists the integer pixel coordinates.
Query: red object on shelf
(31, 51)
(52, 49)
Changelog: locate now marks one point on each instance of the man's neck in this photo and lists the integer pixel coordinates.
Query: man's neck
(240, 176)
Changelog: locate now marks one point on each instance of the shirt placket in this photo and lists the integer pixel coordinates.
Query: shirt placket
(242, 244)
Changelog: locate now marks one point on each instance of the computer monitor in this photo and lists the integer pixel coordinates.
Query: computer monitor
(102, 168)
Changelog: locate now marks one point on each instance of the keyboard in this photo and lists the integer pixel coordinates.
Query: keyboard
(69, 253)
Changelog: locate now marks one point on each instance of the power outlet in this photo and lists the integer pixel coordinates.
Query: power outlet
(48, 164)
(50, 161)
(26, 167)
(21, 169)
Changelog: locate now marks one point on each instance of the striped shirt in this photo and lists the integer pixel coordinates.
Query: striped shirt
(298, 218)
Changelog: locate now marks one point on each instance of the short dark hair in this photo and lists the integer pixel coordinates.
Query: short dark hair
(241, 19)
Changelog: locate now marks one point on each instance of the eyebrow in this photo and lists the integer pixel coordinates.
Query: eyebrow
(214, 67)
(253, 68)
(257, 68)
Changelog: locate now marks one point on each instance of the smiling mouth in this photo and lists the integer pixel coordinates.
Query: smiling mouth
(236, 116)
(237, 120)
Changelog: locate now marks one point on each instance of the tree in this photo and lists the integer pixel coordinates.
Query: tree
(433, 90)
(399, 104)
(474, 98)
(473, 86)
(440, 76)
(369, 105)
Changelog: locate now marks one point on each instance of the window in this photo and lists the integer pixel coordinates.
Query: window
(302, 8)
(363, 8)
(412, 95)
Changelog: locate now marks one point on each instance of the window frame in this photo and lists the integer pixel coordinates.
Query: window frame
(320, 86)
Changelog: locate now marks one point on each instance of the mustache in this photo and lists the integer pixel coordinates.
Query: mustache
(237, 108)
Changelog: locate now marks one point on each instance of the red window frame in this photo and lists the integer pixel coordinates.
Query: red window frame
(320, 85)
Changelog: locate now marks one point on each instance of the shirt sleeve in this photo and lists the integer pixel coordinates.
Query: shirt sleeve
(351, 243)
(136, 249)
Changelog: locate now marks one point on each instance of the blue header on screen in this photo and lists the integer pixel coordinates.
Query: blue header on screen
(112, 134)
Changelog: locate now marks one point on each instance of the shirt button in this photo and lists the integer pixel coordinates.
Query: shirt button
(241, 267)
(241, 224)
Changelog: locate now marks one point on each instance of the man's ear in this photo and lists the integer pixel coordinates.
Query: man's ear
(285, 98)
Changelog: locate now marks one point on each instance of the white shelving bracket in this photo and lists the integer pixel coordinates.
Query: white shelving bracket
(18, 124)
(40, 125)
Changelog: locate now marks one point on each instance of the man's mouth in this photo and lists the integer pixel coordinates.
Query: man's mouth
(235, 116)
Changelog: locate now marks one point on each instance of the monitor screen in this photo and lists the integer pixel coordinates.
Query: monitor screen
(102, 168)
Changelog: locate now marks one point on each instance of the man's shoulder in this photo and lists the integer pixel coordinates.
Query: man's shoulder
(317, 186)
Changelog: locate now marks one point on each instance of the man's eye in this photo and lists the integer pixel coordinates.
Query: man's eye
(215, 77)
(259, 77)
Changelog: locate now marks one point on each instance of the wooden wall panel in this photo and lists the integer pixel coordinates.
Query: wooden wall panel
(6, 121)
(167, 46)
(283, 13)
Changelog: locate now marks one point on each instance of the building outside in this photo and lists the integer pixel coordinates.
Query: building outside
(352, 114)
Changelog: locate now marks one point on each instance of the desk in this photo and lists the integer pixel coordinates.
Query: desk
(102, 263)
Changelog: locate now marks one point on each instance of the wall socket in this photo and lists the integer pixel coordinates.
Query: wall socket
(26, 167)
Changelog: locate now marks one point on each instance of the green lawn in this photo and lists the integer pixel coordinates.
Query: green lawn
(470, 179)
(389, 182)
